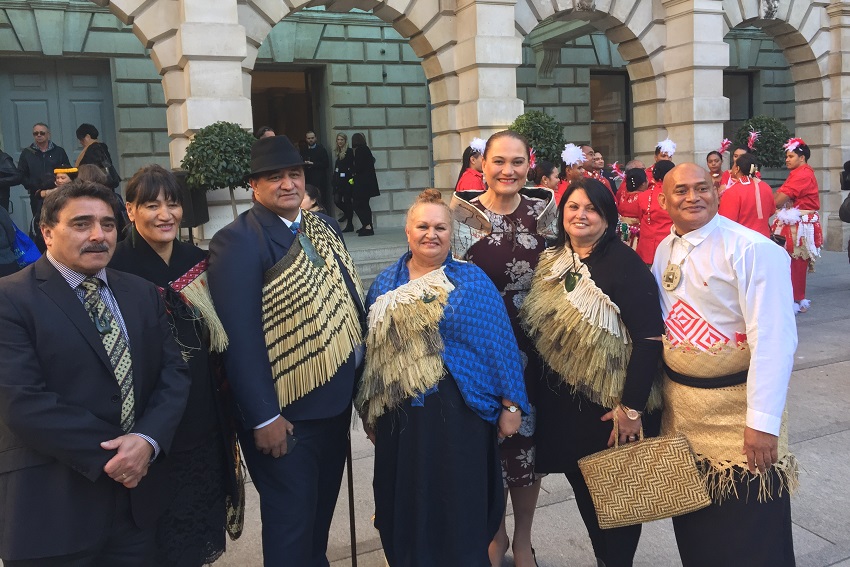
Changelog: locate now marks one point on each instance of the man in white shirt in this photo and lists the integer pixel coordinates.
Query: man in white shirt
(728, 356)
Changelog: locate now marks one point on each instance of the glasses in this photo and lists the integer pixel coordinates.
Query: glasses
(39, 133)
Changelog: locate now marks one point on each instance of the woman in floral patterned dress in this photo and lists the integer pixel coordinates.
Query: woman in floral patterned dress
(502, 231)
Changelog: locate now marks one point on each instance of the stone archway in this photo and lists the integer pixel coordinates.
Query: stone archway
(198, 50)
(640, 37)
(801, 30)
(432, 35)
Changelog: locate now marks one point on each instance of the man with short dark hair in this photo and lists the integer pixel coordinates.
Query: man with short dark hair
(316, 164)
(728, 354)
(288, 295)
(93, 386)
(37, 162)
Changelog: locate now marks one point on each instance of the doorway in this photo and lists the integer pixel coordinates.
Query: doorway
(288, 101)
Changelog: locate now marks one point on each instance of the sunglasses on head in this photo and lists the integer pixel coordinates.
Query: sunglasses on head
(39, 133)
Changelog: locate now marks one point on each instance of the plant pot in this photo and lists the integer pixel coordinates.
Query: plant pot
(195, 209)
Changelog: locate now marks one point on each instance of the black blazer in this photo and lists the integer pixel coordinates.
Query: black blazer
(59, 400)
(240, 254)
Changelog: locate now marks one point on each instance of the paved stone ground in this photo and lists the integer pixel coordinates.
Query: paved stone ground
(819, 406)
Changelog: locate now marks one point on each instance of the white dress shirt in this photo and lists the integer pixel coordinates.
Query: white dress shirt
(736, 285)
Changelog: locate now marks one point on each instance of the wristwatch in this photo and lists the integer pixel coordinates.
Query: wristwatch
(511, 408)
(632, 414)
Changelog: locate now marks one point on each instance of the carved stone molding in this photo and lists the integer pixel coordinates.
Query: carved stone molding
(769, 9)
(547, 55)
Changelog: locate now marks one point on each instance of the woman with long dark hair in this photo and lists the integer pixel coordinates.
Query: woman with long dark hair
(595, 318)
(365, 182)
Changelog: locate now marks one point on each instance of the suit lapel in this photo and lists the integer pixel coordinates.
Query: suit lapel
(277, 230)
(58, 290)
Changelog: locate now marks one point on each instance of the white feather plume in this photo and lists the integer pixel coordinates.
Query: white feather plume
(478, 145)
(667, 146)
(572, 155)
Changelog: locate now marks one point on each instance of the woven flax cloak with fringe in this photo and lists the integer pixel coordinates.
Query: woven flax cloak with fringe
(714, 419)
(310, 321)
(580, 333)
(404, 344)
(478, 348)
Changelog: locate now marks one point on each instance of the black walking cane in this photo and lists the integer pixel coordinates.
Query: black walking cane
(348, 462)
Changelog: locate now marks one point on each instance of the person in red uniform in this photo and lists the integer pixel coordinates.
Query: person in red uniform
(655, 223)
(663, 152)
(471, 178)
(748, 200)
(726, 175)
(573, 160)
(593, 169)
(797, 218)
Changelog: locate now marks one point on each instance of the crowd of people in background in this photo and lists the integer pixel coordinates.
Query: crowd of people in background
(544, 314)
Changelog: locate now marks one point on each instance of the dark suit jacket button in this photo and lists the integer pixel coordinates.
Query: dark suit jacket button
(116, 399)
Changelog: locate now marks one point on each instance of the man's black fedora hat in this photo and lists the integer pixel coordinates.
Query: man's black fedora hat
(274, 153)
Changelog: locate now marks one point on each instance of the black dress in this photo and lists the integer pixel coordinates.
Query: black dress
(343, 190)
(569, 425)
(365, 183)
(427, 510)
(191, 532)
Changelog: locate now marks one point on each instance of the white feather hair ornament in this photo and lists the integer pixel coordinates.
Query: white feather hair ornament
(667, 146)
(478, 145)
(572, 155)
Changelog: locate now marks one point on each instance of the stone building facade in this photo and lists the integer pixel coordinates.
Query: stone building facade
(422, 77)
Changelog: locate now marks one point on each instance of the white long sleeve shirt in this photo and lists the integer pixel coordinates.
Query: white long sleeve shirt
(736, 285)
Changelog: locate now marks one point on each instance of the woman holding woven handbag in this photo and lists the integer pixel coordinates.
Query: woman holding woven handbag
(594, 316)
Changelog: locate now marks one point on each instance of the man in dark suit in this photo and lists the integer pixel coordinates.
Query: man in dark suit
(289, 297)
(92, 387)
(316, 165)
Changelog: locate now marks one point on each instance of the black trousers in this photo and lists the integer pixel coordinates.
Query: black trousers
(342, 200)
(362, 209)
(739, 531)
(126, 545)
(617, 546)
(298, 491)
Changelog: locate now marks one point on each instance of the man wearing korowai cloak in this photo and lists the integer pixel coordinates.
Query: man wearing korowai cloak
(728, 355)
(290, 299)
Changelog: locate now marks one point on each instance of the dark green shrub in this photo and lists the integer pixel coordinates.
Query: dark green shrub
(218, 157)
(544, 134)
(772, 136)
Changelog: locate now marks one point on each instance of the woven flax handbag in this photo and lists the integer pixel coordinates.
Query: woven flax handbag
(647, 480)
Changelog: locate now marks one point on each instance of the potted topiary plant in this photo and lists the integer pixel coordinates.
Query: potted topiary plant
(544, 134)
(772, 135)
(218, 157)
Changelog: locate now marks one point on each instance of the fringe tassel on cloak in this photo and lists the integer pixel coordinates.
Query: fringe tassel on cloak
(195, 291)
(310, 321)
(403, 344)
(579, 334)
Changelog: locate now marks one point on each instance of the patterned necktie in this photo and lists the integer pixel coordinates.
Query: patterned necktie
(294, 227)
(116, 347)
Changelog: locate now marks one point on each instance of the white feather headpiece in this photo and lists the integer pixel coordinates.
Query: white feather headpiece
(572, 155)
(667, 146)
(478, 145)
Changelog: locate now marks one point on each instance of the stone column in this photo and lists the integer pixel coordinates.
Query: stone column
(201, 66)
(694, 58)
(483, 63)
(839, 120)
